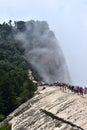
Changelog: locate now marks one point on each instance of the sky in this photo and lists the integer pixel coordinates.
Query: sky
(68, 20)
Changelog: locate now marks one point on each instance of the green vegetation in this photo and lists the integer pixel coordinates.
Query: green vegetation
(1, 117)
(6, 126)
(15, 86)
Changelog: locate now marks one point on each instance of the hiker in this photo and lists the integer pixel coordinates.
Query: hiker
(85, 90)
(71, 88)
(81, 90)
(76, 88)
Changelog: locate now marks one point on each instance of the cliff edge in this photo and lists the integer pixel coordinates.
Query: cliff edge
(51, 109)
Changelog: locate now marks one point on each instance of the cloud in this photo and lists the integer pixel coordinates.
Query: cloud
(43, 52)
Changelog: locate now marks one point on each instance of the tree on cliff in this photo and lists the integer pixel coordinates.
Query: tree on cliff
(15, 87)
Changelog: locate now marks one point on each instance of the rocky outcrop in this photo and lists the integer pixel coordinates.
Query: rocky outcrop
(51, 109)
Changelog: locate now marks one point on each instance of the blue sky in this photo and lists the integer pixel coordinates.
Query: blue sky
(67, 18)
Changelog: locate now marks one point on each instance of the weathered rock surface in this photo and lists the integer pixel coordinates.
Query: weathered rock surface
(52, 109)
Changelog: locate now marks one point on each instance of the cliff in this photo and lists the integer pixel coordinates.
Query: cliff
(51, 109)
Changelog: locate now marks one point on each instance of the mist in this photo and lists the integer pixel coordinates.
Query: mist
(43, 51)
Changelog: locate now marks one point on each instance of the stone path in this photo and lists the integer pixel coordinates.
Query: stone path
(69, 110)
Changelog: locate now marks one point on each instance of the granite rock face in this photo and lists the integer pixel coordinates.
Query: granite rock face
(51, 109)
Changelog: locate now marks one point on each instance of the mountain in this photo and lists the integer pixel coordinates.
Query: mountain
(23, 46)
(43, 51)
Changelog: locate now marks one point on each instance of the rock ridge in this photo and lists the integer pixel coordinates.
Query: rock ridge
(51, 109)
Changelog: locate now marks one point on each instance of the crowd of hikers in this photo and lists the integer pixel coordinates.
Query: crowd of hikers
(65, 87)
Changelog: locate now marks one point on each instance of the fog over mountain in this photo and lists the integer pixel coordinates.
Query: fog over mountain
(43, 51)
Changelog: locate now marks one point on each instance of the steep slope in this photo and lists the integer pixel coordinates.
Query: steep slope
(52, 109)
(43, 51)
